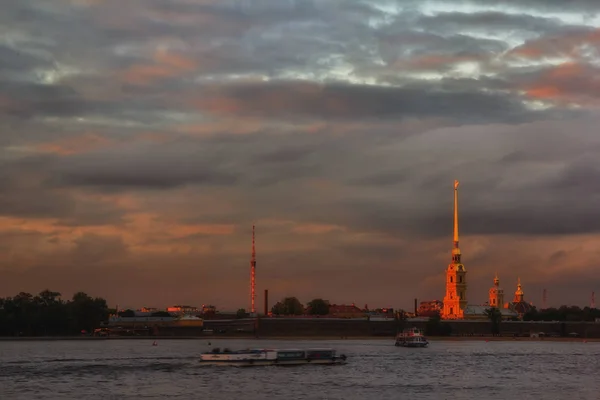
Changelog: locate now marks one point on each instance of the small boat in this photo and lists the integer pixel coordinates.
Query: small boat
(411, 337)
(264, 357)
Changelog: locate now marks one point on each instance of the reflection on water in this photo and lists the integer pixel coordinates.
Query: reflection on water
(128, 369)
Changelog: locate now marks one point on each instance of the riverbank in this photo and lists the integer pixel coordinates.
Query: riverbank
(303, 338)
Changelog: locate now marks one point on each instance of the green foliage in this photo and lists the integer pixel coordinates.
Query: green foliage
(241, 313)
(318, 307)
(495, 317)
(400, 317)
(47, 314)
(435, 326)
(563, 314)
(127, 313)
(289, 306)
(161, 314)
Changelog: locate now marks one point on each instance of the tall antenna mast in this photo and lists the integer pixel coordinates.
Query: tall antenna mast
(253, 274)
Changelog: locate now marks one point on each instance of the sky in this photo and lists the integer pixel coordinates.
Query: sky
(141, 140)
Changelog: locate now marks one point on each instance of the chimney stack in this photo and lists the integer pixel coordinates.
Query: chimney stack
(416, 308)
(266, 302)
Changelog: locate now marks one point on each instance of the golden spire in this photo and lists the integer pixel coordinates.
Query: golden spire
(496, 279)
(456, 212)
(456, 250)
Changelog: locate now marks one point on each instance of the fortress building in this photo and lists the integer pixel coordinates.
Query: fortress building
(455, 300)
(455, 304)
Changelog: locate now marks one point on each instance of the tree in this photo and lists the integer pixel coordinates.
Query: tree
(46, 314)
(278, 308)
(292, 306)
(495, 317)
(318, 307)
(87, 312)
(400, 317)
(129, 313)
(161, 314)
(51, 316)
(435, 326)
(241, 313)
(288, 306)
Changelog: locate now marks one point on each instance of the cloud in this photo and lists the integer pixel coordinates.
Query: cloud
(140, 143)
(341, 101)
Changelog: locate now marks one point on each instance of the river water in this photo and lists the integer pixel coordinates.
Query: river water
(134, 369)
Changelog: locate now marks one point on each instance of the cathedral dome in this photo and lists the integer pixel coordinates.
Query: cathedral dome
(522, 307)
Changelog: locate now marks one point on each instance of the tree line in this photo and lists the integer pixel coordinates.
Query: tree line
(563, 314)
(46, 314)
(292, 306)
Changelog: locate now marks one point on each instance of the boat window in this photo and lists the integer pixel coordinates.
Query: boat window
(290, 354)
(319, 354)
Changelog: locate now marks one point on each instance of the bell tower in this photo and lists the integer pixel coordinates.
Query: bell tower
(519, 295)
(455, 300)
(496, 294)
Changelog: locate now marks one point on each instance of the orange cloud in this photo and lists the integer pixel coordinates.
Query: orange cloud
(570, 82)
(544, 92)
(165, 65)
(565, 45)
(141, 232)
(75, 144)
(316, 229)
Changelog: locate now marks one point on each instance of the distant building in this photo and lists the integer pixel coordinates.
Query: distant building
(148, 309)
(429, 308)
(455, 304)
(208, 309)
(182, 309)
(345, 311)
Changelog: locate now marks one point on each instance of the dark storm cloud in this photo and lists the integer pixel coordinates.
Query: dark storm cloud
(26, 192)
(160, 167)
(13, 60)
(381, 179)
(284, 155)
(342, 101)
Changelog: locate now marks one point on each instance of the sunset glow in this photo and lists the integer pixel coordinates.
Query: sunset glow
(141, 142)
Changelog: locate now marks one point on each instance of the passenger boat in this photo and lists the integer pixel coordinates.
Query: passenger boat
(411, 337)
(263, 357)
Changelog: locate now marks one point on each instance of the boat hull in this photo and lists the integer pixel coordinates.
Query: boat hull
(412, 344)
(266, 363)
(267, 357)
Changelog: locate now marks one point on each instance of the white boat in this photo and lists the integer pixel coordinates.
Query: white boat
(411, 337)
(263, 357)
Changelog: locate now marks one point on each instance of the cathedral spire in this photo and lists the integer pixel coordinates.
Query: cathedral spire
(456, 250)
